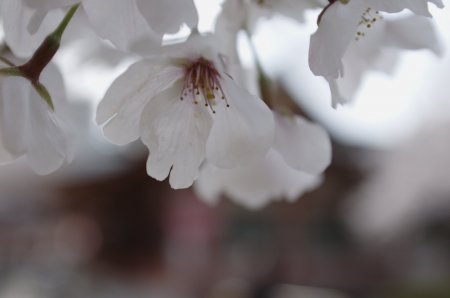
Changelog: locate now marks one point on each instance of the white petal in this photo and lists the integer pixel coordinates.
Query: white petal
(175, 132)
(120, 22)
(41, 8)
(338, 26)
(412, 33)
(228, 24)
(336, 29)
(29, 127)
(339, 97)
(305, 146)
(36, 20)
(419, 7)
(5, 156)
(48, 145)
(241, 133)
(256, 185)
(167, 16)
(16, 17)
(379, 50)
(16, 92)
(125, 99)
(356, 61)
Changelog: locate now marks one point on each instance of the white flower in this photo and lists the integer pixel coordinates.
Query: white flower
(123, 22)
(28, 127)
(301, 152)
(256, 185)
(380, 51)
(185, 109)
(343, 21)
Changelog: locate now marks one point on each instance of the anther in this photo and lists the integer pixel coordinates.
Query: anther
(202, 82)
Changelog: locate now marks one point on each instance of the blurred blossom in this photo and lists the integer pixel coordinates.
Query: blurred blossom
(256, 185)
(301, 152)
(409, 185)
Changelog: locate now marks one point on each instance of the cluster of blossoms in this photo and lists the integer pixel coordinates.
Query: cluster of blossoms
(203, 117)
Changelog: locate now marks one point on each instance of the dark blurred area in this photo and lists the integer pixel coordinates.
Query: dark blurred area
(126, 235)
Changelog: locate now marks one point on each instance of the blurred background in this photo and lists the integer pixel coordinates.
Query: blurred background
(377, 227)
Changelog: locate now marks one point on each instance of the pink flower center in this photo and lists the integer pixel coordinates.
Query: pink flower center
(202, 82)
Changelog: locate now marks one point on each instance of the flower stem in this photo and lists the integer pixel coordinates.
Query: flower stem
(57, 34)
(6, 61)
(47, 50)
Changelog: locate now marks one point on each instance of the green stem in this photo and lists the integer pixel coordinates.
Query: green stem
(44, 54)
(6, 61)
(58, 33)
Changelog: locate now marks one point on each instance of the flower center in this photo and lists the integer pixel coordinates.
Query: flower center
(368, 19)
(201, 81)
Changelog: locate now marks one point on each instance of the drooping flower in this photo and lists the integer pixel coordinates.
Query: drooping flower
(301, 152)
(30, 122)
(346, 21)
(123, 22)
(380, 51)
(186, 108)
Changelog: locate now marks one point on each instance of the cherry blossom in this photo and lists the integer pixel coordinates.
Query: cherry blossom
(191, 103)
(186, 108)
(380, 51)
(343, 22)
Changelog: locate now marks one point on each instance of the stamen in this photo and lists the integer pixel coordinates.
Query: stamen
(368, 19)
(203, 80)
